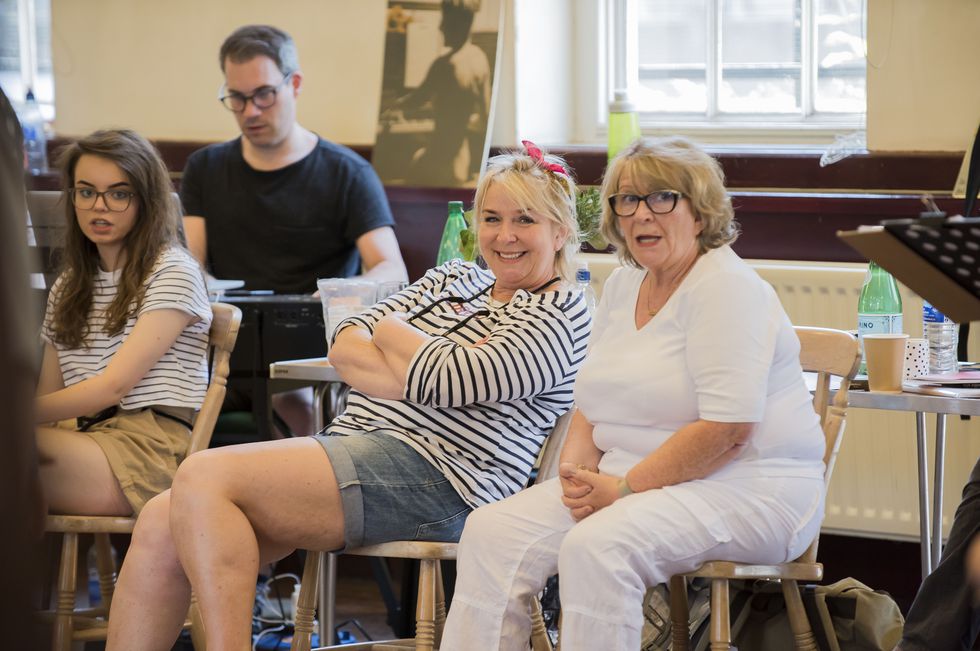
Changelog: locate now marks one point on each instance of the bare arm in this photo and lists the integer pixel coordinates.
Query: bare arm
(380, 255)
(398, 341)
(579, 448)
(51, 379)
(362, 365)
(197, 238)
(154, 333)
(693, 452)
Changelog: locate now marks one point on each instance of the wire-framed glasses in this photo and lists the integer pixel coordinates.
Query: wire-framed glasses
(263, 98)
(115, 200)
(660, 202)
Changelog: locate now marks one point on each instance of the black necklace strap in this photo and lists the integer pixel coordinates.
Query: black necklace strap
(550, 282)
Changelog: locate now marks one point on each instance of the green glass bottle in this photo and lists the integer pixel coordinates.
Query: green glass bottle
(450, 246)
(879, 307)
(624, 123)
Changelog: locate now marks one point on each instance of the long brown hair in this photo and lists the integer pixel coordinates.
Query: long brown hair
(155, 229)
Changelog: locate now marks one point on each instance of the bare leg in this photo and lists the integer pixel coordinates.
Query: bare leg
(231, 503)
(75, 475)
(152, 594)
(296, 408)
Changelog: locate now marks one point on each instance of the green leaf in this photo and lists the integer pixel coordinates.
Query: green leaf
(588, 208)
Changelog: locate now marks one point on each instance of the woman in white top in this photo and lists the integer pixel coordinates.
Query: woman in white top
(457, 380)
(694, 437)
(125, 334)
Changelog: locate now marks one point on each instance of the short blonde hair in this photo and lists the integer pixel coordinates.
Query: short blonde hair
(538, 189)
(673, 163)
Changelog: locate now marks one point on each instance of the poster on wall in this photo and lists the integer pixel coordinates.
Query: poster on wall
(437, 92)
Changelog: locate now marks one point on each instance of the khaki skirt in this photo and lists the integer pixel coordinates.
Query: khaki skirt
(143, 449)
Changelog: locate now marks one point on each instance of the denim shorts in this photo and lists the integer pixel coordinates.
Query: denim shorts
(390, 492)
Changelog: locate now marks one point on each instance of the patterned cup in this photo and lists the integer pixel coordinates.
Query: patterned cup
(916, 359)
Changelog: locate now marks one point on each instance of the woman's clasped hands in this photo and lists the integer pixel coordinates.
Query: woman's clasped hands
(585, 491)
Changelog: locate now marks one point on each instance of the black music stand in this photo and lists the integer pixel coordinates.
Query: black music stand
(936, 257)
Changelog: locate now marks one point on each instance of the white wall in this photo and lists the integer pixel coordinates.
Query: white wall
(153, 66)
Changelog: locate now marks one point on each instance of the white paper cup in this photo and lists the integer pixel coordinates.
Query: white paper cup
(916, 359)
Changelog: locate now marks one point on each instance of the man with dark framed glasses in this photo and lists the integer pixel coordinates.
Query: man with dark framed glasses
(279, 207)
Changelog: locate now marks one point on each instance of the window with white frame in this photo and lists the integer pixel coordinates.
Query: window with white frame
(741, 64)
(25, 52)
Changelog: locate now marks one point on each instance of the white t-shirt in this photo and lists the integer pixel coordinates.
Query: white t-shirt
(721, 349)
(180, 377)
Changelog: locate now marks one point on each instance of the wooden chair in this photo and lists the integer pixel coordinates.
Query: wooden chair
(431, 608)
(826, 352)
(91, 623)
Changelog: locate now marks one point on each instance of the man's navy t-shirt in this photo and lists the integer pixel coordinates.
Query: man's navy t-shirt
(283, 229)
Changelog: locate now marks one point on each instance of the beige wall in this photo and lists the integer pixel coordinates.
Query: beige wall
(153, 66)
(923, 74)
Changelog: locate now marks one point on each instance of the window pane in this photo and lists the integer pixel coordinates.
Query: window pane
(10, 51)
(761, 71)
(841, 48)
(671, 46)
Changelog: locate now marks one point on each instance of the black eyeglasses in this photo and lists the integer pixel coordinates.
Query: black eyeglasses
(660, 202)
(263, 98)
(114, 200)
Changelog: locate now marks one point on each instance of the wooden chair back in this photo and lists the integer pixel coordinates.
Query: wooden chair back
(828, 353)
(225, 321)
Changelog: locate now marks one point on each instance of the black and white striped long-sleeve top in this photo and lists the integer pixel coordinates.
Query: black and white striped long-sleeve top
(478, 411)
(180, 377)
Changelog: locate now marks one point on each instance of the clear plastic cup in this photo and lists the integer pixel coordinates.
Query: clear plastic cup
(388, 287)
(344, 297)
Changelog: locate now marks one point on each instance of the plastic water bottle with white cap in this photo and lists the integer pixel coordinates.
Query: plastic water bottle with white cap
(943, 336)
(583, 281)
(35, 142)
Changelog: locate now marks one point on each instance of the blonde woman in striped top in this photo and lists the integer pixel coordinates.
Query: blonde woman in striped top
(457, 380)
(125, 334)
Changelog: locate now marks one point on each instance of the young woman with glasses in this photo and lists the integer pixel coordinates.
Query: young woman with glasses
(125, 334)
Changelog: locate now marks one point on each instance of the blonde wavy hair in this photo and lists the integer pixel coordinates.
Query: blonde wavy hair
(672, 163)
(538, 189)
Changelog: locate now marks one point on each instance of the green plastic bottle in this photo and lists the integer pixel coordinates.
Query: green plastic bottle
(879, 307)
(624, 123)
(450, 247)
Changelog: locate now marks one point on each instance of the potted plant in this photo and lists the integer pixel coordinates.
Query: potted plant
(588, 208)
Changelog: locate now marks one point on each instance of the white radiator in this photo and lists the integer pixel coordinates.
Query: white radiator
(874, 491)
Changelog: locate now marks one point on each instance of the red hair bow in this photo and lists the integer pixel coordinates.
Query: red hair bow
(535, 153)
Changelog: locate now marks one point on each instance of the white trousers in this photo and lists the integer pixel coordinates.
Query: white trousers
(606, 561)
